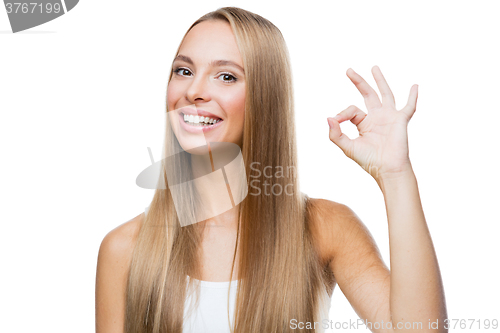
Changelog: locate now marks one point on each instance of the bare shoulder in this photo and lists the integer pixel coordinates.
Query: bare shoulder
(333, 225)
(354, 258)
(122, 237)
(113, 262)
(117, 246)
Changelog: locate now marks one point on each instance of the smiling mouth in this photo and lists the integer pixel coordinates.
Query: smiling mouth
(199, 121)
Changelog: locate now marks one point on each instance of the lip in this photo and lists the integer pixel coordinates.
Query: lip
(201, 128)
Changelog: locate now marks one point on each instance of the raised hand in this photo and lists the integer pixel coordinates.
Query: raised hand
(382, 146)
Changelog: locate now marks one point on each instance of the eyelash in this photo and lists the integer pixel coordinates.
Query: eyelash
(234, 78)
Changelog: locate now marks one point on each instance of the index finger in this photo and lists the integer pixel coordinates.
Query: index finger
(370, 95)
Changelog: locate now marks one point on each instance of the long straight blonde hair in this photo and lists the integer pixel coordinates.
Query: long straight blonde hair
(281, 276)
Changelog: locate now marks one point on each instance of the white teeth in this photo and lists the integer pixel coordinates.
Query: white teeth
(200, 120)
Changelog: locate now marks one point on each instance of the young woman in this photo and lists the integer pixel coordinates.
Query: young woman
(269, 262)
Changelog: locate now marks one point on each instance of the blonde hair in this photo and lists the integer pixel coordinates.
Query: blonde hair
(280, 275)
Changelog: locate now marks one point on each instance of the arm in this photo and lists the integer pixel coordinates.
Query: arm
(412, 291)
(417, 293)
(113, 265)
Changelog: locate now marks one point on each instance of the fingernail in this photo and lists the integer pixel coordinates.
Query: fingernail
(337, 117)
(329, 122)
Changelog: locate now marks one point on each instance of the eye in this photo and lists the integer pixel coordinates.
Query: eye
(182, 71)
(227, 78)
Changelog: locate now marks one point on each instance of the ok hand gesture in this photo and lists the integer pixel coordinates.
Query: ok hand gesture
(382, 146)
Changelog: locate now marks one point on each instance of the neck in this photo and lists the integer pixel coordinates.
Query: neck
(227, 220)
(220, 182)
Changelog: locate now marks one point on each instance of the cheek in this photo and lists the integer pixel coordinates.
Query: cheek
(236, 103)
(173, 96)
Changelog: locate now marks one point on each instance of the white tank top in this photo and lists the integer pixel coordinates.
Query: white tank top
(211, 314)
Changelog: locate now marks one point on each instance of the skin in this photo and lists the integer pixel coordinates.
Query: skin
(411, 291)
(217, 89)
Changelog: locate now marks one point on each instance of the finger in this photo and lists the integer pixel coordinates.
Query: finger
(411, 105)
(352, 113)
(383, 87)
(339, 138)
(370, 95)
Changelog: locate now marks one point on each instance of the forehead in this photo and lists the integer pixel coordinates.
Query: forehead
(211, 40)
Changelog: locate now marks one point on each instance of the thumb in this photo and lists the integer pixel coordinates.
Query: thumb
(337, 137)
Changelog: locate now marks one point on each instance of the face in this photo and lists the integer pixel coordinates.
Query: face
(206, 94)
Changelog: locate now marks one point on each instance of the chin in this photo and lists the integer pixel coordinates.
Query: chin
(196, 149)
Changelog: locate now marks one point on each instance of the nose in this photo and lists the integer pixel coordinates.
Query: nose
(198, 90)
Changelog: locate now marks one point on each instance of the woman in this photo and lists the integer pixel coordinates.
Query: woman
(280, 255)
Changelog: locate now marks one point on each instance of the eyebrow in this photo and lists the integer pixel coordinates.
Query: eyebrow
(214, 63)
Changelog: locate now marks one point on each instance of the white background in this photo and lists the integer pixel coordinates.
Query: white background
(83, 96)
